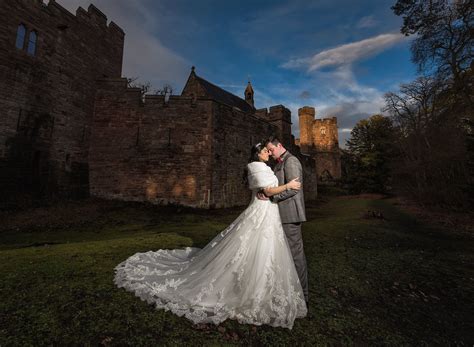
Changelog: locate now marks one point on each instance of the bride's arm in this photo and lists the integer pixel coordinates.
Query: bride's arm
(293, 184)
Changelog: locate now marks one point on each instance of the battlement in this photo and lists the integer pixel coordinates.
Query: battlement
(278, 108)
(279, 112)
(134, 96)
(332, 120)
(112, 83)
(97, 14)
(307, 111)
(261, 113)
(92, 16)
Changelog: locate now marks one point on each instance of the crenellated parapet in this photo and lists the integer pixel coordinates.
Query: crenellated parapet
(280, 117)
(51, 60)
(186, 149)
(319, 139)
(119, 87)
(279, 113)
(317, 134)
(92, 17)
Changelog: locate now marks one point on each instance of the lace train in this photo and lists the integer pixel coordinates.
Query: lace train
(245, 273)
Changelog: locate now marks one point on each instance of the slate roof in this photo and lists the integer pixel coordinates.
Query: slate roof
(224, 96)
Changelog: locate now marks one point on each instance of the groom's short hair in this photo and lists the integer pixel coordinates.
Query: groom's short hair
(273, 139)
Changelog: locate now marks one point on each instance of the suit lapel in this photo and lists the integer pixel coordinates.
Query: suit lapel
(279, 169)
(283, 158)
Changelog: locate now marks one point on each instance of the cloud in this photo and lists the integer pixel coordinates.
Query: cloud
(334, 93)
(145, 56)
(305, 95)
(367, 22)
(349, 113)
(346, 54)
(337, 91)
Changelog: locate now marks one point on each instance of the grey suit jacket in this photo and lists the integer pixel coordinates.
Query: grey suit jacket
(290, 202)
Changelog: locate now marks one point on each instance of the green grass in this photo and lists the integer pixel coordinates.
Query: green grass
(391, 282)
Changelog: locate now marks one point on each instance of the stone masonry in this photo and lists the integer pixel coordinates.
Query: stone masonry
(47, 98)
(70, 126)
(190, 149)
(319, 139)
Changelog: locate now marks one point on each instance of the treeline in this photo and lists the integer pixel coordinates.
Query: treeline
(425, 147)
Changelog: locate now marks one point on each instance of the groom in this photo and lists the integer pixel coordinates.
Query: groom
(291, 205)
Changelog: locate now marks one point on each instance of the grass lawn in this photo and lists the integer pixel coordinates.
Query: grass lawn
(372, 281)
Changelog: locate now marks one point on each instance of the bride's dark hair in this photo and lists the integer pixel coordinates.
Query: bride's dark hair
(255, 150)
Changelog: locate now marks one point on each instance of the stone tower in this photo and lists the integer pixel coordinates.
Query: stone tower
(249, 94)
(306, 117)
(319, 139)
(325, 134)
(50, 61)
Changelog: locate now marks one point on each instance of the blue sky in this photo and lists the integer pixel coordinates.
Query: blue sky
(339, 56)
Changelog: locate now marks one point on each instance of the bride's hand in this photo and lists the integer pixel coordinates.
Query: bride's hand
(294, 184)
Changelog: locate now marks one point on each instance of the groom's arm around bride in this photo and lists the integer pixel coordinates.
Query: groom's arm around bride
(288, 167)
(291, 169)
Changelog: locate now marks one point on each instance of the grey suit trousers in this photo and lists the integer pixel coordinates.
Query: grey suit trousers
(295, 241)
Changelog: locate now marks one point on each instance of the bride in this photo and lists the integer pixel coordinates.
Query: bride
(245, 273)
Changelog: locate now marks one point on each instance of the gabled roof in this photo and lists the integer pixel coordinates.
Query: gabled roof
(220, 95)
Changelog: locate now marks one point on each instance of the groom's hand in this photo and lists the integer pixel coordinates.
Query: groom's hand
(262, 196)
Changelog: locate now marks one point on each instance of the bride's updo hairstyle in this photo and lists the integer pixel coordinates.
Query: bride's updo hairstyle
(256, 149)
(253, 157)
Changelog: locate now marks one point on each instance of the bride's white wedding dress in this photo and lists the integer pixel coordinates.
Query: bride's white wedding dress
(246, 272)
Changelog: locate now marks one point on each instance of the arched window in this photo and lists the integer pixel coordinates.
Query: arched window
(323, 131)
(20, 36)
(32, 43)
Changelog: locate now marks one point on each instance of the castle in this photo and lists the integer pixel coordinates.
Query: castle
(71, 125)
(319, 139)
(50, 61)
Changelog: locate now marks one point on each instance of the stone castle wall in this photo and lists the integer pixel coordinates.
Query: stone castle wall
(70, 126)
(187, 150)
(326, 146)
(319, 139)
(46, 99)
(234, 135)
(310, 177)
(153, 151)
(325, 136)
(280, 117)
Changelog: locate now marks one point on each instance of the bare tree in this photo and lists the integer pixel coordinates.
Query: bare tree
(167, 89)
(432, 162)
(416, 106)
(144, 87)
(445, 38)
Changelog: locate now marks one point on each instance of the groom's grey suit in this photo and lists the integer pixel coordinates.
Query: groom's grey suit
(292, 212)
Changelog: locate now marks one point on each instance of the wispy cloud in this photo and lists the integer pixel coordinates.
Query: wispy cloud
(339, 93)
(367, 22)
(305, 95)
(346, 54)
